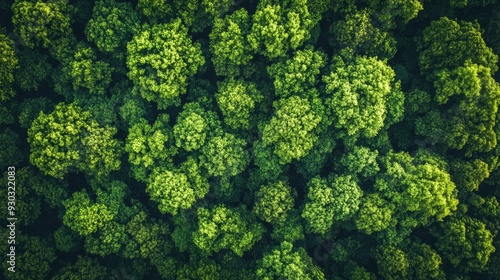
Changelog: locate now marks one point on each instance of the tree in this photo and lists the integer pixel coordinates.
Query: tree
(468, 175)
(224, 155)
(225, 228)
(83, 268)
(298, 74)
(347, 197)
(285, 262)
(270, 168)
(465, 242)
(89, 73)
(84, 216)
(468, 97)
(420, 187)
(236, 100)
(149, 145)
(202, 268)
(33, 260)
(112, 24)
(291, 230)
(154, 9)
(9, 64)
(192, 127)
(360, 162)
(425, 263)
(291, 129)
(363, 96)
(160, 60)
(279, 27)
(108, 240)
(311, 165)
(392, 262)
(358, 33)
(392, 13)
(375, 214)
(69, 139)
(273, 202)
(447, 44)
(33, 69)
(147, 238)
(318, 211)
(66, 240)
(228, 43)
(337, 200)
(37, 22)
(10, 152)
(174, 190)
(217, 8)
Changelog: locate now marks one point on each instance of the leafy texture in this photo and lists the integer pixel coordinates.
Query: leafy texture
(160, 60)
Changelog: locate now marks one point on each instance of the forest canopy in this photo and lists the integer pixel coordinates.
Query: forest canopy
(260, 139)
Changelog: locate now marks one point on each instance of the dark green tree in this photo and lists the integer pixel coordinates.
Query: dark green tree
(447, 44)
(41, 22)
(358, 33)
(465, 242)
(112, 24)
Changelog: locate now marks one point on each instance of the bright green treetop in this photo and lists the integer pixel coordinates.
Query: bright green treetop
(273, 202)
(225, 155)
(160, 60)
(472, 96)
(83, 215)
(420, 187)
(279, 27)
(192, 127)
(363, 95)
(285, 262)
(337, 200)
(297, 74)
(149, 145)
(360, 161)
(228, 43)
(9, 65)
(173, 190)
(69, 139)
(225, 228)
(291, 129)
(318, 211)
(375, 214)
(236, 100)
